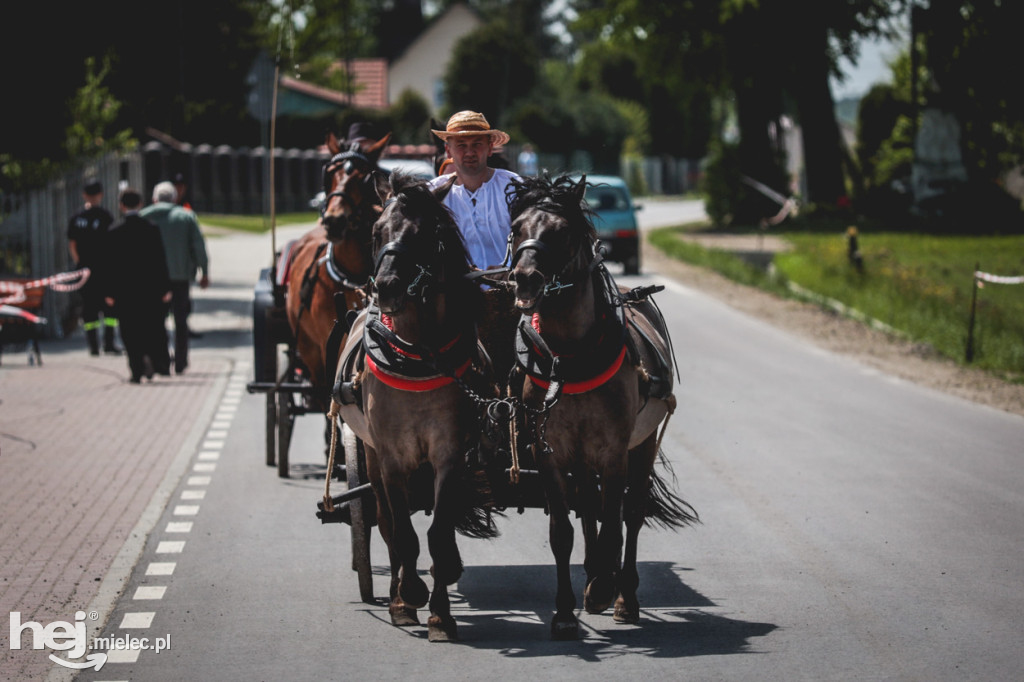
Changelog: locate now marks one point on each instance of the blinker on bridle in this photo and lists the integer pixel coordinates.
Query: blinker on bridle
(353, 161)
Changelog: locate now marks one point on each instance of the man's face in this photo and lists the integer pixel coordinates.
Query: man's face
(469, 153)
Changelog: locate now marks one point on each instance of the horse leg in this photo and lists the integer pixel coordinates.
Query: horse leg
(444, 552)
(412, 591)
(564, 626)
(401, 615)
(627, 606)
(601, 589)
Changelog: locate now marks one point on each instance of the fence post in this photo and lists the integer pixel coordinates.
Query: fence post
(974, 306)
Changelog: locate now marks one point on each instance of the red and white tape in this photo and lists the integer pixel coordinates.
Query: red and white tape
(998, 279)
(63, 282)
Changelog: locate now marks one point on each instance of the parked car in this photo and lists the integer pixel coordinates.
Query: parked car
(615, 220)
(423, 170)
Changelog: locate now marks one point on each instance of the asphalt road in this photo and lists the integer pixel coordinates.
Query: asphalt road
(854, 527)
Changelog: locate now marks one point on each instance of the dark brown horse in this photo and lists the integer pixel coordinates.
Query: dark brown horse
(598, 385)
(334, 257)
(420, 418)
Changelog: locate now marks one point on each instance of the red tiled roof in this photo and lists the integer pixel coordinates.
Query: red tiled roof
(371, 81)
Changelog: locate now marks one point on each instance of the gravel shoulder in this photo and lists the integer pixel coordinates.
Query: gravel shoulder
(831, 331)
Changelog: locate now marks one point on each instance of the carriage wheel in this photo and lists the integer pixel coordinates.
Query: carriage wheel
(271, 427)
(269, 373)
(285, 419)
(359, 510)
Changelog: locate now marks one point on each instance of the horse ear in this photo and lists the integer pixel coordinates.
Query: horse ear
(382, 183)
(332, 142)
(441, 191)
(373, 152)
(581, 189)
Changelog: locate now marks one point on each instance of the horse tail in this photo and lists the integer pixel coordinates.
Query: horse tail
(476, 519)
(664, 507)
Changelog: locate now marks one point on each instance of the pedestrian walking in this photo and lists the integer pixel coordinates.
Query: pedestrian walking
(138, 287)
(185, 249)
(87, 234)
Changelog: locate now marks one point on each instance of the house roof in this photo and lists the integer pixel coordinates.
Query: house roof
(371, 85)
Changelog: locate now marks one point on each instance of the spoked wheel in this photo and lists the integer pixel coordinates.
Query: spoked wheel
(271, 426)
(285, 420)
(359, 510)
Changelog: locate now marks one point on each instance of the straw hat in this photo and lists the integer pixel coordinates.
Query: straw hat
(466, 123)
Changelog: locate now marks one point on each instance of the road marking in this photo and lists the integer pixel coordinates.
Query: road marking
(140, 619)
(170, 547)
(123, 655)
(198, 480)
(193, 494)
(186, 510)
(147, 592)
(212, 454)
(179, 527)
(217, 433)
(161, 568)
(213, 444)
(204, 466)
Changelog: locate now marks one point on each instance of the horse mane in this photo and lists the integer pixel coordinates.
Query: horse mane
(559, 196)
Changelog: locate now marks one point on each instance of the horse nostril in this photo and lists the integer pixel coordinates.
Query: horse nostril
(528, 281)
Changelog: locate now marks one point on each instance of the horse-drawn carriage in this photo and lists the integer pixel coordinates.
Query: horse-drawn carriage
(559, 402)
(550, 387)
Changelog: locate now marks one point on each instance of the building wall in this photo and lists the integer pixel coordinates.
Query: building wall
(421, 67)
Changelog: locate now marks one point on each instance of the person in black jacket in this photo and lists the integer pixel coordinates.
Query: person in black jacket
(137, 286)
(87, 235)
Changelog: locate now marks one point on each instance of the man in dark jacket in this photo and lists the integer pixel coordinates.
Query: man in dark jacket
(138, 287)
(87, 234)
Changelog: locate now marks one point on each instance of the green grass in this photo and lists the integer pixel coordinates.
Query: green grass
(254, 223)
(919, 284)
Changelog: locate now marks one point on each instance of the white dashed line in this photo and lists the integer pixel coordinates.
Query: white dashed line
(186, 510)
(123, 655)
(147, 592)
(198, 480)
(170, 547)
(206, 456)
(179, 527)
(139, 620)
(161, 568)
(193, 494)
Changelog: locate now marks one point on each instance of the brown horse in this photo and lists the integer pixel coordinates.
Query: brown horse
(334, 257)
(420, 416)
(597, 385)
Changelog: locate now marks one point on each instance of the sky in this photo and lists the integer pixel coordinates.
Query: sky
(871, 68)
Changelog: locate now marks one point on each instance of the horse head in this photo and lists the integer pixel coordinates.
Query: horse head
(552, 239)
(420, 256)
(348, 186)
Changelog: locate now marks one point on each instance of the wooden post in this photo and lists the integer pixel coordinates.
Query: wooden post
(974, 307)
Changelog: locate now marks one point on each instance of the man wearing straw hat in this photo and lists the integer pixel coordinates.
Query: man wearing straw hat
(477, 200)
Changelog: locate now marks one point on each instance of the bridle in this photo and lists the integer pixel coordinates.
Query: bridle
(426, 272)
(353, 161)
(564, 278)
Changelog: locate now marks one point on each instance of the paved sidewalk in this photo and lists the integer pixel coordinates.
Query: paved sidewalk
(86, 457)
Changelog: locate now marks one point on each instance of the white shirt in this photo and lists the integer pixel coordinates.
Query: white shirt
(482, 216)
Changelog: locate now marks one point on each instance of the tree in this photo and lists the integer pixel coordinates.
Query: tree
(490, 68)
(93, 115)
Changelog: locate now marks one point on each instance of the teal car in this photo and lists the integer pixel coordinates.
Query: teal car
(615, 220)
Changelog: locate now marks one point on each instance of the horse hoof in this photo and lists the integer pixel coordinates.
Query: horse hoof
(442, 629)
(565, 631)
(402, 616)
(629, 615)
(599, 595)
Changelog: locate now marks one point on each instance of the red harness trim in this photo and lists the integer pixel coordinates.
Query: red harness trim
(416, 385)
(589, 384)
(387, 321)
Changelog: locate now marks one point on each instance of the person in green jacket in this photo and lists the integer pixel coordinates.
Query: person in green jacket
(185, 249)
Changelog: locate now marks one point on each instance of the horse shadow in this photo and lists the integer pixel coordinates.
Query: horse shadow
(514, 620)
